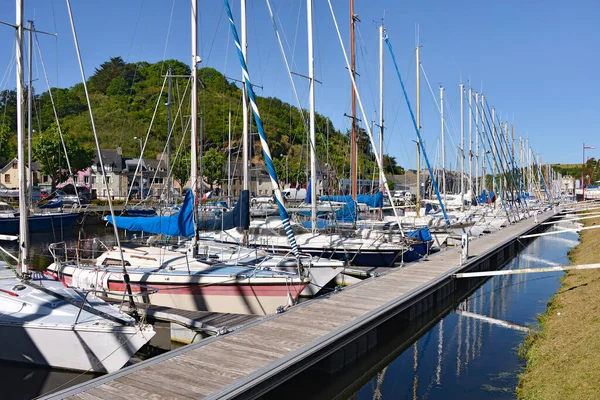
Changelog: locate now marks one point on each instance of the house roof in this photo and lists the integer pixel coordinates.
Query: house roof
(111, 158)
(35, 166)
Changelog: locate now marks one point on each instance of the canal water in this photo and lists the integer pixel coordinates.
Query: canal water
(464, 349)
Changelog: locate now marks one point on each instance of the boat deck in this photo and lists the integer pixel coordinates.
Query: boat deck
(263, 354)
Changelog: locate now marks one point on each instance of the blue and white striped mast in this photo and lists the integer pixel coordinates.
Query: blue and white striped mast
(285, 219)
(194, 113)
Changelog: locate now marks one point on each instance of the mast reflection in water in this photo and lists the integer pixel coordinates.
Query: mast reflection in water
(465, 349)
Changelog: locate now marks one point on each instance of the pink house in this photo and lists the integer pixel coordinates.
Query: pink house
(82, 179)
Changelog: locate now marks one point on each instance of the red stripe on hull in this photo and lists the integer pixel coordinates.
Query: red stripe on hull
(229, 289)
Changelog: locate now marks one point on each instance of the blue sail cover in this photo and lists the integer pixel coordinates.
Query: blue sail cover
(239, 217)
(308, 198)
(54, 203)
(485, 197)
(180, 224)
(373, 201)
(345, 214)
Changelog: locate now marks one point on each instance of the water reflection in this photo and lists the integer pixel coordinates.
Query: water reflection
(465, 349)
(482, 335)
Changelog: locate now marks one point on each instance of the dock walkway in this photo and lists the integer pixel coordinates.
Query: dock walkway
(254, 359)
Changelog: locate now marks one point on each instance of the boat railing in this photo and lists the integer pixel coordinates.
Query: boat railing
(142, 293)
(85, 249)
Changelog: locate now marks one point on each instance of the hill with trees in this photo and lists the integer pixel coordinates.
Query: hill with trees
(124, 99)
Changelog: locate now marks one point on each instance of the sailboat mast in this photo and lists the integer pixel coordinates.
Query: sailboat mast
(462, 147)
(169, 100)
(483, 182)
(29, 115)
(23, 211)
(418, 112)
(194, 102)
(381, 33)
(353, 146)
(313, 148)
(471, 142)
(443, 143)
(229, 163)
(477, 181)
(245, 118)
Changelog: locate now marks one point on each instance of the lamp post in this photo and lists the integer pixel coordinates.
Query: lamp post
(582, 171)
(141, 169)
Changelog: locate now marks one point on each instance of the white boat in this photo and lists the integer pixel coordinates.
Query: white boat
(187, 283)
(45, 323)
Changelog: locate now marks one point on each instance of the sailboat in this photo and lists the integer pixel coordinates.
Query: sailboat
(44, 322)
(250, 282)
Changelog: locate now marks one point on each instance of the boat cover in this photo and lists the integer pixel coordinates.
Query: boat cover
(182, 223)
(372, 200)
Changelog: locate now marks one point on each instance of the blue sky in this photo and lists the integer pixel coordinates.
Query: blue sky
(535, 60)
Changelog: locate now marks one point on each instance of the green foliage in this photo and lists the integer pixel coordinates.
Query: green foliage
(124, 97)
(7, 146)
(212, 167)
(47, 150)
(181, 169)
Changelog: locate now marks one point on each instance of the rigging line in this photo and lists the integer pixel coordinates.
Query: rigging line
(162, 156)
(55, 41)
(110, 204)
(366, 59)
(9, 68)
(287, 67)
(418, 131)
(137, 168)
(364, 115)
(437, 105)
(167, 39)
(58, 127)
(127, 57)
(212, 43)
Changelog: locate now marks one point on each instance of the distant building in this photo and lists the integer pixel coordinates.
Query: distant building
(9, 175)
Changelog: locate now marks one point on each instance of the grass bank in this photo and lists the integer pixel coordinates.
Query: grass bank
(563, 360)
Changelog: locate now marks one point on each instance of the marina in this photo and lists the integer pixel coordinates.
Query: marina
(340, 327)
(170, 231)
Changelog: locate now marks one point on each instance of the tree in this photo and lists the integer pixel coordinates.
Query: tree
(7, 147)
(391, 166)
(181, 170)
(212, 167)
(48, 151)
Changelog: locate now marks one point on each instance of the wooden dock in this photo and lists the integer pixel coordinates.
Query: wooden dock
(335, 329)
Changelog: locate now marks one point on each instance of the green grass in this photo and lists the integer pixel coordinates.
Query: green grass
(563, 359)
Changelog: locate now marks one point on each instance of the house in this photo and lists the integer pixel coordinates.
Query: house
(116, 178)
(9, 175)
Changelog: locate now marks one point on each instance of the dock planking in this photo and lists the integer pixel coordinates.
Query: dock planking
(278, 346)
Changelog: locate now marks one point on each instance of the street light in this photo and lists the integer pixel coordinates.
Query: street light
(141, 169)
(582, 171)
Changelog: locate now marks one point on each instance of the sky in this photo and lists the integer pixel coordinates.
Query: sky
(536, 61)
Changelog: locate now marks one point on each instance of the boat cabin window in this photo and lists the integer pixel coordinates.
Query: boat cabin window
(114, 261)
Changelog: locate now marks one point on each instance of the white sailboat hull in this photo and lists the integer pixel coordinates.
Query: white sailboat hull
(94, 349)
